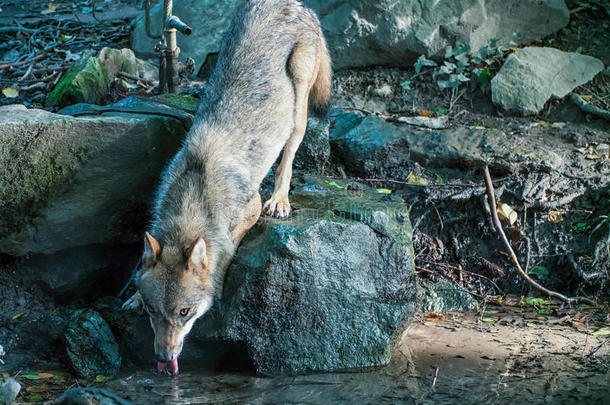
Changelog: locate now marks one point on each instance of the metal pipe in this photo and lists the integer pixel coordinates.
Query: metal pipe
(147, 21)
(167, 47)
(175, 22)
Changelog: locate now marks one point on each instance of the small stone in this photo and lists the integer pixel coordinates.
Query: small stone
(97, 396)
(383, 91)
(532, 75)
(10, 390)
(444, 296)
(91, 347)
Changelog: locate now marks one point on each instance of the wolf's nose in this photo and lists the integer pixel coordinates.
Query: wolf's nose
(165, 357)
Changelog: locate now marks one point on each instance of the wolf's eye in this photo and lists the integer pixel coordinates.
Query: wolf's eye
(184, 311)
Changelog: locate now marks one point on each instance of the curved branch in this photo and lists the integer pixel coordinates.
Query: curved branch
(496, 221)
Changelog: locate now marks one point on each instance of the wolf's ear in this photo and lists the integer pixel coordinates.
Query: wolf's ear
(198, 259)
(152, 248)
(134, 303)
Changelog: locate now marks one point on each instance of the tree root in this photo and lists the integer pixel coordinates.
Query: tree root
(496, 222)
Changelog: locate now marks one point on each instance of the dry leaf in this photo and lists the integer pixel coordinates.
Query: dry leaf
(50, 8)
(10, 92)
(425, 113)
(435, 315)
(558, 124)
(585, 98)
(508, 216)
(555, 217)
(37, 388)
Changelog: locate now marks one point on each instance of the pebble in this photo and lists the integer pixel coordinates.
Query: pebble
(10, 390)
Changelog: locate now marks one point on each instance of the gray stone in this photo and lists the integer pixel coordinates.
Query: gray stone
(68, 182)
(369, 146)
(326, 289)
(86, 396)
(531, 76)
(444, 296)
(87, 80)
(90, 345)
(470, 148)
(386, 32)
(10, 390)
(75, 192)
(314, 151)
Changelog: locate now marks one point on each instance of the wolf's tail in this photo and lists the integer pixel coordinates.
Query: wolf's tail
(319, 95)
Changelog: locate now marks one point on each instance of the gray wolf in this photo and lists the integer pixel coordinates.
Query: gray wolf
(273, 64)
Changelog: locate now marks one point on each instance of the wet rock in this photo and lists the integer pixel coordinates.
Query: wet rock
(470, 148)
(86, 396)
(133, 333)
(531, 76)
(368, 33)
(444, 296)
(370, 146)
(326, 289)
(91, 347)
(10, 390)
(73, 190)
(314, 151)
(88, 79)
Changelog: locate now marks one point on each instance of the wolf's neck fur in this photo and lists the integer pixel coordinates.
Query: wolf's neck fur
(202, 194)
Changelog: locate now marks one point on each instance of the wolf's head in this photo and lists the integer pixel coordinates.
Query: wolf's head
(174, 288)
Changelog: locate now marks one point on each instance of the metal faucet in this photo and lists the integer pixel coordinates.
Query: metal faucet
(167, 46)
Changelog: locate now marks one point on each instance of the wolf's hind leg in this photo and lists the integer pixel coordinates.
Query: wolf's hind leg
(303, 67)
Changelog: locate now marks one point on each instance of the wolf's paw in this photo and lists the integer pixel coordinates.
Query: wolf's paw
(277, 207)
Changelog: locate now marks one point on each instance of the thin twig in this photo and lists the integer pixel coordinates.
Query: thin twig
(24, 62)
(496, 221)
(596, 349)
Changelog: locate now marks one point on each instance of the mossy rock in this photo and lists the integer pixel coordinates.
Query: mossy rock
(88, 80)
(327, 289)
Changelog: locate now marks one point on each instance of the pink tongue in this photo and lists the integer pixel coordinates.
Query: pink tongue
(170, 366)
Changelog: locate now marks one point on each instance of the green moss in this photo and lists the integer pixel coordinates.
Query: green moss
(184, 102)
(84, 82)
(31, 177)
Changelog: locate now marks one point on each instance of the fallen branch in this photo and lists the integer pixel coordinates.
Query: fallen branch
(24, 62)
(496, 222)
(135, 78)
(13, 30)
(590, 108)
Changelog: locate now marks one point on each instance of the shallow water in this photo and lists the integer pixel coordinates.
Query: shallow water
(454, 361)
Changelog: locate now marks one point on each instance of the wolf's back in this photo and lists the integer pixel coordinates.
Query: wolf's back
(254, 53)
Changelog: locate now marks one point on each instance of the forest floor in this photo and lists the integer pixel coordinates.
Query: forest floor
(503, 354)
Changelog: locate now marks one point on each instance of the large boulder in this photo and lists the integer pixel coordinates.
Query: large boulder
(326, 289)
(386, 32)
(75, 190)
(531, 76)
(371, 147)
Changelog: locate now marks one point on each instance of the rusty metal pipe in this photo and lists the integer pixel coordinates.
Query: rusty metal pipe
(175, 22)
(147, 21)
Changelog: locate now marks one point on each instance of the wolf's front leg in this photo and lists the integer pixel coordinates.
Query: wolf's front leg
(278, 205)
(303, 66)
